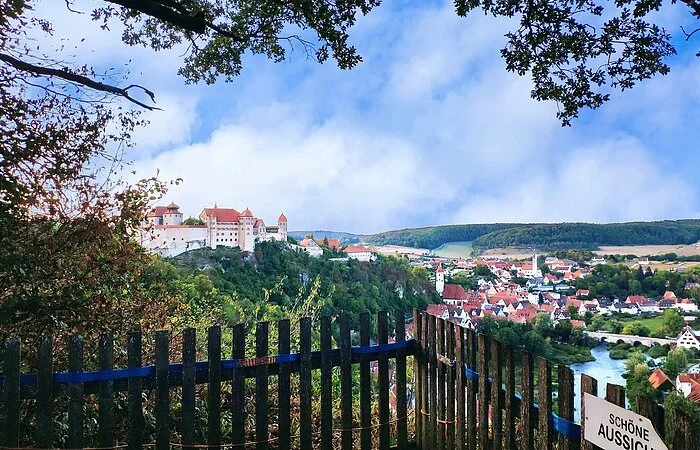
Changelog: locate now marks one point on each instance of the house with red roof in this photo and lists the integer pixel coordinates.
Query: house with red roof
(359, 252)
(660, 381)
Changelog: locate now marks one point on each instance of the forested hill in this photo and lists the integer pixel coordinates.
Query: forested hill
(276, 276)
(547, 236)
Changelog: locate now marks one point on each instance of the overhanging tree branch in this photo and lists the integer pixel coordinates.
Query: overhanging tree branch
(194, 23)
(79, 79)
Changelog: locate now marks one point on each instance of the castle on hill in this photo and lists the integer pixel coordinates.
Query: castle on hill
(166, 234)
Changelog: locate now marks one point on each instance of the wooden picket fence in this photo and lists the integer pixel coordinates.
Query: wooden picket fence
(464, 388)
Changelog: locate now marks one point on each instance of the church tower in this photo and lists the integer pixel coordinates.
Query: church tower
(282, 224)
(536, 272)
(440, 280)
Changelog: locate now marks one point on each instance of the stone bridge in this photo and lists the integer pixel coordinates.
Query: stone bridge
(644, 340)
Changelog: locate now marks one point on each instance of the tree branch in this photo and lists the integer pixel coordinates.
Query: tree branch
(154, 8)
(79, 79)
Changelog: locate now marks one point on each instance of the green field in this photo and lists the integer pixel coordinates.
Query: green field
(462, 249)
(653, 323)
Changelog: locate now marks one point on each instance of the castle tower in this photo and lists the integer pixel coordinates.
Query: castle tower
(440, 280)
(245, 231)
(282, 224)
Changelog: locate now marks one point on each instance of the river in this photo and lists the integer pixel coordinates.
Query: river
(604, 369)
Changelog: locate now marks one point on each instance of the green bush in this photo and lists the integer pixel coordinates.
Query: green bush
(658, 350)
(619, 354)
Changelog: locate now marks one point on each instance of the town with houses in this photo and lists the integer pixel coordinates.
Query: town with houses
(498, 296)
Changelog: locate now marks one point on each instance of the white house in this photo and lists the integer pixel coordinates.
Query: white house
(686, 305)
(311, 247)
(359, 253)
(687, 339)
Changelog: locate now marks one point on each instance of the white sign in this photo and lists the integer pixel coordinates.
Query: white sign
(614, 428)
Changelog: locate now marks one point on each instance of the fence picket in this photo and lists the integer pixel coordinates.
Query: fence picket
(11, 393)
(189, 357)
(496, 396)
(214, 386)
(162, 390)
(615, 394)
(652, 411)
(44, 400)
(383, 371)
(76, 401)
(425, 382)
(460, 350)
(441, 375)
(238, 410)
(509, 405)
(326, 385)
(135, 393)
(106, 412)
(589, 385)
(527, 411)
(262, 418)
(418, 374)
(565, 394)
(432, 382)
(544, 399)
(451, 388)
(401, 410)
(483, 393)
(284, 436)
(471, 391)
(305, 383)
(365, 387)
(345, 383)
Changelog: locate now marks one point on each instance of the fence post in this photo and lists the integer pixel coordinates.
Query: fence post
(383, 366)
(262, 417)
(509, 425)
(401, 410)
(684, 436)
(11, 393)
(615, 394)
(238, 410)
(418, 375)
(345, 382)
(566, 403)
(483, 392)
(75, 394)
(214, 386)
(451, 387)
(189, 374)
(162, 403)
(496, 396)
(471, 391)
(284, 440)
(527, 421)
(106, 413)
(460, 442)
(426, 385)
(589, 385)
(651, 410)
(305, 382)
(44, 399)
(432, 381)
(326, 385)
(365, 387)
(441, 374)
(544, 397)
(135, 392)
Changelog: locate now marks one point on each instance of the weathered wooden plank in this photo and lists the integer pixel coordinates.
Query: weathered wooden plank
(483, 392)
(365, 387)
(652, 411)
(284, 436)
(496, 396)
(262, 417)
(432, 381)
(162, 403)
(565, 396)
(383, 366)
(76, 399)
(471, 391)
(44, 399)
(135, 393)
(214, 386)
(509, 404)
(426, 383)
(450, 385)
(441, 375)
(418, 374)
(305, 383)
(11, 393)
(527, 412)
(460, 350)
(615, 394)
(326, 385)
(189, 375)
(345, 383)
(684, 434)
(238, 407)
(105, 417)
(544, 399)
(401, 407)
(589, 385)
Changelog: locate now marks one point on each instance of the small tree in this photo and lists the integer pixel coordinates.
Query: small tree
(673, 323)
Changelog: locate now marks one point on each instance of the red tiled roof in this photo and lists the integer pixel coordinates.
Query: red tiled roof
(222, 214)
(356, 249)
(454, 292)
(436, 310)
(282, 218)
(635, 299)
(172, 205)
(161, 227)
(658, 378)
(578, 323)
(158, 211)
(669, 295)
(246, 213)
(694, 391)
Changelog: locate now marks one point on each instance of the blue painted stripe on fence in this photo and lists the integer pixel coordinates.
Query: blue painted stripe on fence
(201, 366)
(565, 427)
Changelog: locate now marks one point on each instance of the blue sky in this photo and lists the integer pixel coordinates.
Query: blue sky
(430, 129)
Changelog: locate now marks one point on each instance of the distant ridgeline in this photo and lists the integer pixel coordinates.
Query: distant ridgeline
(344, 238)
(555, 236)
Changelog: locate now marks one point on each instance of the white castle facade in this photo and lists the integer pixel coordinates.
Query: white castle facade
(166, 234)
